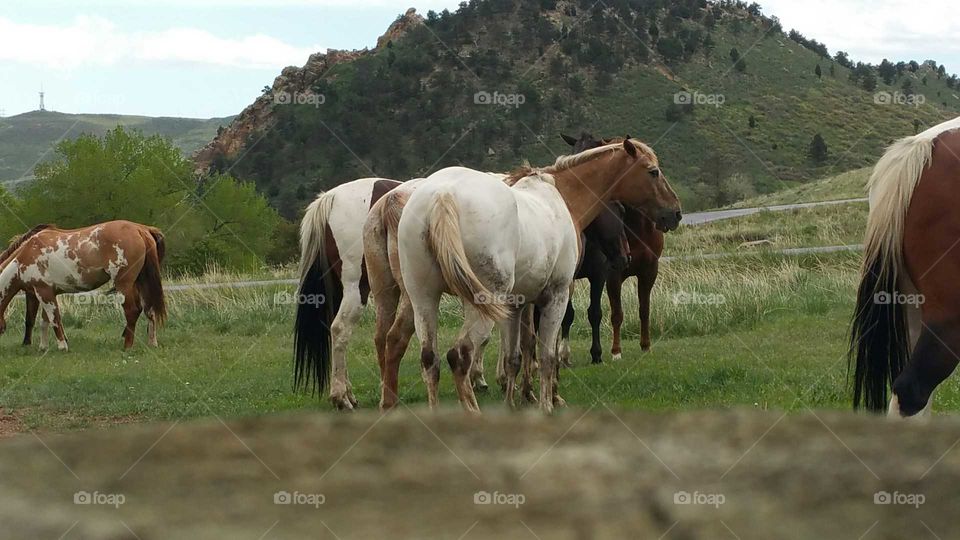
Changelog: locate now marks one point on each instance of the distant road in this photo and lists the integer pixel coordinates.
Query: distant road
(698, 218)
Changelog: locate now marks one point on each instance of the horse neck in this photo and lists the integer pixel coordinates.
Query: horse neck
(586, 187)
(9, 283)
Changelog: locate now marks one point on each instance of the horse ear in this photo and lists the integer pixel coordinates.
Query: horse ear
(628, 137)
(630, 148)
(568, 139)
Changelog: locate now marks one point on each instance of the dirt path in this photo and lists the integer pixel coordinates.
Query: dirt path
(576, 476)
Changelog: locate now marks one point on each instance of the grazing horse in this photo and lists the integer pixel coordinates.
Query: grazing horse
(906, 327)
(445, 244)
(333, 285)
(48, 261)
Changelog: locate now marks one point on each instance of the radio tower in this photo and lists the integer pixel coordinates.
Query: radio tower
(42, 106)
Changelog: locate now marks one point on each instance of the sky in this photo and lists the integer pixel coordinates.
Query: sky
(211, 58)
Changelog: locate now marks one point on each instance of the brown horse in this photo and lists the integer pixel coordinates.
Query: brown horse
(48, 261)
(906, 327)
(604, 262)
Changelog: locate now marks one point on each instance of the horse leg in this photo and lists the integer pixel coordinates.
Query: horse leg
(645, 280)
(426, 322)
(396, 345)
(510, 354)
(33, 305)
(551, 315)
(594, 314)
(528, 352)
(341, 392)
(131, 311)
(614, 286)
(501, 364)
(476, 368)
(460, 357)
(565, 325)
(386, 301)
(51, 315)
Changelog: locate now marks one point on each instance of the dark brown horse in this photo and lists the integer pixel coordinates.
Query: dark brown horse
(906, 327)
(604, 262)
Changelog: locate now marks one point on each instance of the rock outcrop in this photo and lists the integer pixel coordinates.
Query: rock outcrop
(292, 82)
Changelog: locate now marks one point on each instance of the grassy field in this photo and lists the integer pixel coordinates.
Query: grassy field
(755, 330)
(848, 185)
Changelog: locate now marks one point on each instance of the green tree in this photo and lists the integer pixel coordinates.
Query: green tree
(818, 151)
(125, 175)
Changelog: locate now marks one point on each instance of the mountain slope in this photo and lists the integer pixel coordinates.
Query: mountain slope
(422, 99)
(26, 138)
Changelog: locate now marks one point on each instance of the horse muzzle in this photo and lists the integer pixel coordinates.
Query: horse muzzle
(668, 220)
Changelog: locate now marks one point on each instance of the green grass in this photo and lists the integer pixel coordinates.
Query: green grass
(775, 340)
(832, 225)
(848, 185)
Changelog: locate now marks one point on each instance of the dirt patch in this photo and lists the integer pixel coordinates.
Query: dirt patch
(575, 476)
(10, 425)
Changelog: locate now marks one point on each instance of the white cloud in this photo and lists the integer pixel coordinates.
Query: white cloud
(96, 41)
(871, 30)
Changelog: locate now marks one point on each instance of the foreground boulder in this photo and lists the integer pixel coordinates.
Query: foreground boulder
(416, 474)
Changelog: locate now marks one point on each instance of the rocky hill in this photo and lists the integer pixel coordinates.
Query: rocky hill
(733, 104)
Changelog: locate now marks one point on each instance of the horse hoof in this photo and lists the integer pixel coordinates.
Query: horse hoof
(617, 357)
(481, 386)
(596, 361)
(559, 401)
(342, 403)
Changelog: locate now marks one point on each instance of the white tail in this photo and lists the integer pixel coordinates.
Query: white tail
(313, 231)
(447, 245)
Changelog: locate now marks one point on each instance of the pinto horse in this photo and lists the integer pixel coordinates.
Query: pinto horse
(445, 245)
(906, 327)
(48, 261)
(333, 285)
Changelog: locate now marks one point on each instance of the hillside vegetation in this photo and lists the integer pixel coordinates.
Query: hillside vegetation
(26, 139)
(733, 105)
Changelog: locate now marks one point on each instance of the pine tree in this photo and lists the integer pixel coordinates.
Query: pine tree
(818, 150)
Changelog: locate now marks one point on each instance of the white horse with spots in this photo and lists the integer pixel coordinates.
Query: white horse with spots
(500, 248)
(333, 285)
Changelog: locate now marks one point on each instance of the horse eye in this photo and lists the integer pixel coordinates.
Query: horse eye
(655, 172)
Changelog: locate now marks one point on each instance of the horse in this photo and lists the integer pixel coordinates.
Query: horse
(906, 325)
(445, 245)
(32, 303)
(333, 286)
(603, 261)
(395, 324)
(48, 261)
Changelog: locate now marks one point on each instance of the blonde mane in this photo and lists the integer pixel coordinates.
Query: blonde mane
(891, 186)
(564, 163)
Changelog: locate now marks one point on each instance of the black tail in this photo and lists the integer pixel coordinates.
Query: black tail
(879, 343)
(318, 301)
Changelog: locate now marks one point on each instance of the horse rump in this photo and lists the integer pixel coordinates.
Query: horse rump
(318, 300)
(149, 283)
